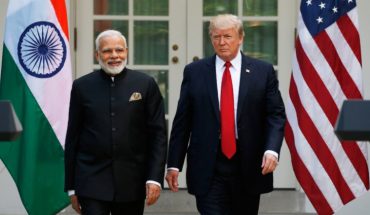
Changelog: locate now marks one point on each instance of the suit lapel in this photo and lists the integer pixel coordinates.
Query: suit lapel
(244, 84)
(211, 83)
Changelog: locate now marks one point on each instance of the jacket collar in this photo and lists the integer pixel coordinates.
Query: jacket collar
(117, 77)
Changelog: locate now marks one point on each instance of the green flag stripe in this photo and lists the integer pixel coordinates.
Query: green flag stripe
(35, 160)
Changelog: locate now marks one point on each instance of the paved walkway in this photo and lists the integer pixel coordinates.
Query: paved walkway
(280, 202)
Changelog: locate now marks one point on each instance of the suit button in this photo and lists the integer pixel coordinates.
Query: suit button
(114, 129)
(112, 99)
(112, 114)
(112, 84)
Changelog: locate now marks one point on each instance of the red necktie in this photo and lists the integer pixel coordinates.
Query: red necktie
(228, 142)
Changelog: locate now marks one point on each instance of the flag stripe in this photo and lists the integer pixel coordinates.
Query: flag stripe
(320, 148)
(346, 54)
(304, 177)
(358, 160)
(331, 55)
(61, 13)
(315, 83)
(350, 32)
(310, 160)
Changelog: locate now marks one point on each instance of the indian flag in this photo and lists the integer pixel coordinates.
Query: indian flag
(36, 77)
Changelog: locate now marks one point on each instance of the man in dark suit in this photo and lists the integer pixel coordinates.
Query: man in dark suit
(231, 109)
(116, 146)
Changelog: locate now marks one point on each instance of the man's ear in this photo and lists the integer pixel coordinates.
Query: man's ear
(241, 41)
(97, 55)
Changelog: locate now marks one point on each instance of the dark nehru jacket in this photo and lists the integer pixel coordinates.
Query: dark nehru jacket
(116, 138)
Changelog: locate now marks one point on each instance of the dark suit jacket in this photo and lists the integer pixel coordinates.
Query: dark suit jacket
(114, 145)
(260, 124)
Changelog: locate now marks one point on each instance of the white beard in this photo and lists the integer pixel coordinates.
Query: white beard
(112, 70)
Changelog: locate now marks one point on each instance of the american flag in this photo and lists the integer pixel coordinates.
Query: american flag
(326, 71)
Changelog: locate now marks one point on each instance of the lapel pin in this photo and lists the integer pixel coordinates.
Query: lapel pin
(247, 70)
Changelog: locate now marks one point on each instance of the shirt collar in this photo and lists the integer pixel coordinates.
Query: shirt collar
(236, 62)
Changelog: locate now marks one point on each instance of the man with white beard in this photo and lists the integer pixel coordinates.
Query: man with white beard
(115, 148)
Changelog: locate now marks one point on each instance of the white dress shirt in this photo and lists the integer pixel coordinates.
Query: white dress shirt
(235, 68)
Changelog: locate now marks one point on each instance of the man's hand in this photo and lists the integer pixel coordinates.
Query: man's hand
(269, 163)
(153, 192)
(75, 204)
(172, 180)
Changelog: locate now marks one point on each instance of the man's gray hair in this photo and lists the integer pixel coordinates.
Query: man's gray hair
(224, 21)
(108, 33)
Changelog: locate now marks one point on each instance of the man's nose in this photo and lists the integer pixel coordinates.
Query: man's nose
(114, 54)
(222, 40)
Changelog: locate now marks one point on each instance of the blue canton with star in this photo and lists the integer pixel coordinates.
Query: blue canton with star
(320, 14)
